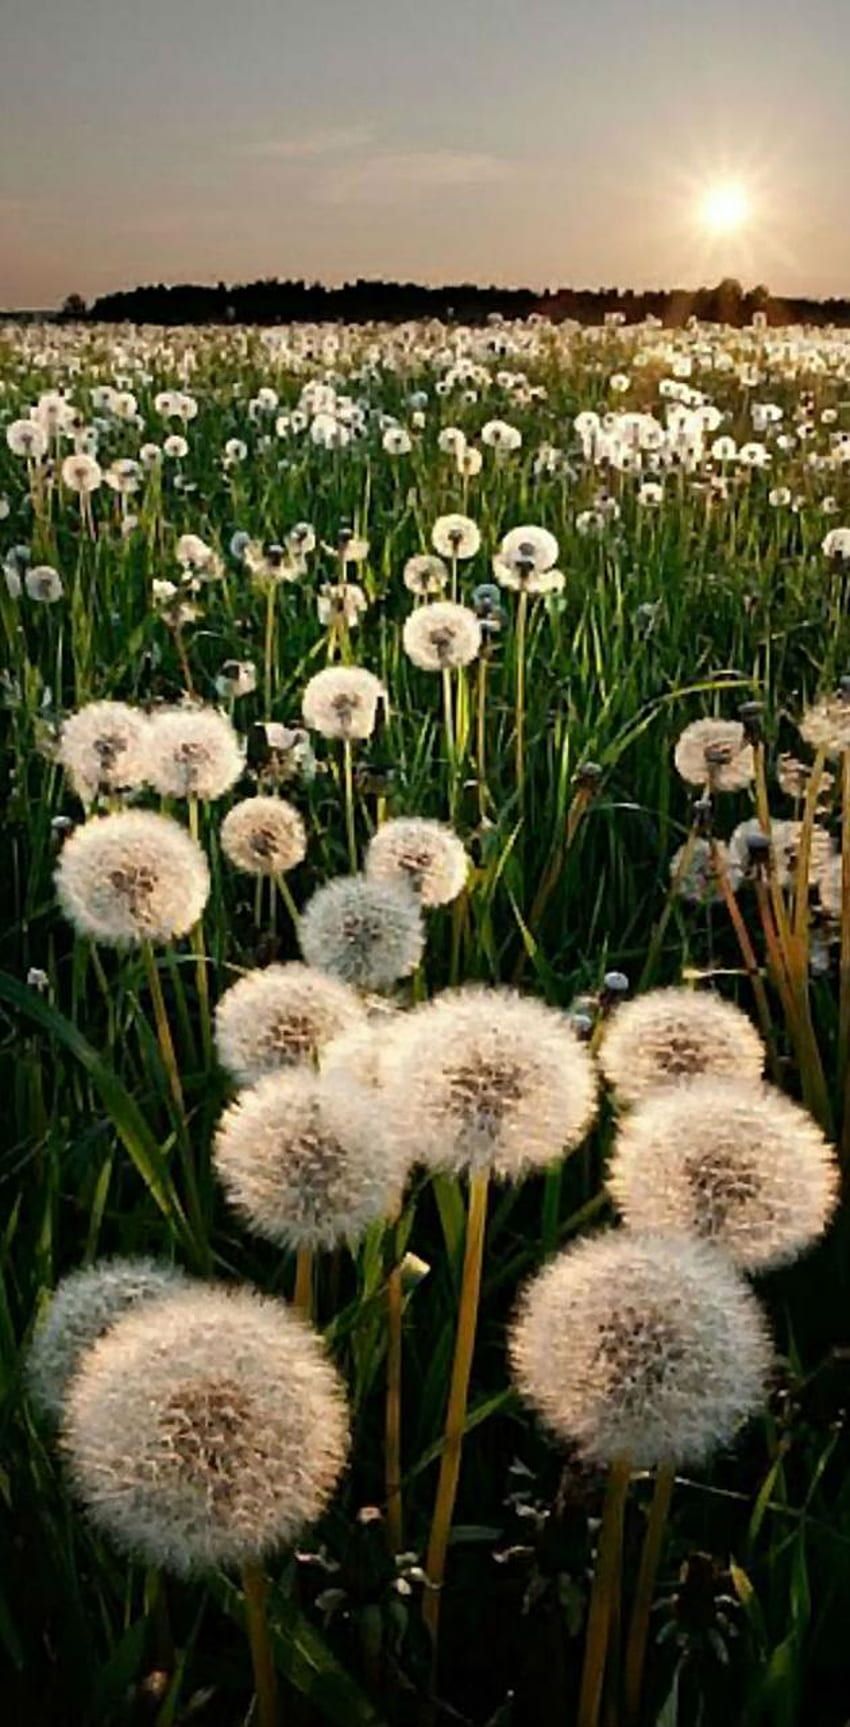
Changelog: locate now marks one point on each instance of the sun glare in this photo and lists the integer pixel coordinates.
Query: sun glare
(724, 208)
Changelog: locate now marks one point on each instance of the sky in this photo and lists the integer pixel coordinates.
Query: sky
(536, 142)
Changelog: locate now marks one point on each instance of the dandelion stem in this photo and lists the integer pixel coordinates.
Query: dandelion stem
(521, 629)
(448, 720)
(197, 940)
(467, 1320)
(660, 930)
(481, 736)
(392, 1431)
(302, 1298)
(268, 677)
(653, 1543)
(285, 892)
(163, 1032)
(256, 1588)
(748, 954)
(348, 777)
(604, 1594)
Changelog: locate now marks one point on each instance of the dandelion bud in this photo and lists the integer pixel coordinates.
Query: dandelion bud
(84, 1306)
(367, 933)
(486, 1079)
(649, 1348)
(132, 877)
(264, 836)
(735, 1163)
(427, 855)
(670, 1035)
(282, 1016)
(206, 1431)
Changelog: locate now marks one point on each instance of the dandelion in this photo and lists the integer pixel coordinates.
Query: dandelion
(342, 702)
(282, 1016)
(175, 447)
(528, 551)
(670, 1035)
(748, 843)
(716, 754)
(488, 1079)
(456, 537)
(836, 544)
(193, 753)
(264, 836)
(81, 473)
(500, 436)
(826, 726)
(207, 1430)
(695, 870)
(304, 1161)
(732, 1162)
(103, 749)
(81, 1310)
(134, 877)
(641, 1346)
(367, 933)
(44, 584)
(27, 438)
(428, 855)
(441, 636)
(425, 576)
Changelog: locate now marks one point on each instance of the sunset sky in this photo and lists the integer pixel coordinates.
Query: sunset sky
(538, 142)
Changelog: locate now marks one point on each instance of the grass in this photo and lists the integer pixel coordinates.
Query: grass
(667, 614)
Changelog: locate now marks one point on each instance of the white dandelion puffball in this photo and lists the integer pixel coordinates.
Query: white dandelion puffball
(715, 753)
(304, 1160)
(826, 726)
(44, 584)
(670, 1035)
(425, 575)
(737, 1164)
(193, 752)
(831, 885)
(27, 438)
(367, 933)
(782, 851)
(132, 877)
(282, 1016)
(528, 550)
(428, 855)
(456, 537)
(441, 636)
(83, 1307)
(342, 702)
(486, 1079)
(696, 868)
(207, 1431)
(81, 473)
(103, 748)
(649, 1348)
(264, 836)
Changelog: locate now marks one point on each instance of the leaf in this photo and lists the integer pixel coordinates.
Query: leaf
(123, 1112)
(305, 1659)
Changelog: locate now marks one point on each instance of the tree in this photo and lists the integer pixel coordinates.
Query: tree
(74, 307)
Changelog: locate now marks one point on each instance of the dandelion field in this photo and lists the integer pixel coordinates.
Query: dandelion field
(425, 1009)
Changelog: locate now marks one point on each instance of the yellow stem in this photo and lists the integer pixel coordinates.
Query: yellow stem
(285, 892)
(751, 964)
(348, 775)
(395, 1510)
(653, 1543)
(163, 1032)
(467, 1319)
(604, 1593)
(255, 1586)
(302, 1298)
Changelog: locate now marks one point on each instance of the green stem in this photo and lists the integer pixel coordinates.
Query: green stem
(255, 1586)
(350, 830)
(653, 1543)
(604, 1593)
(521, 629)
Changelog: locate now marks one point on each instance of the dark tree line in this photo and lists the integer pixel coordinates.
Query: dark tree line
(274, 302)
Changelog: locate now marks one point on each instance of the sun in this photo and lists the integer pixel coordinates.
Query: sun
(724, 208)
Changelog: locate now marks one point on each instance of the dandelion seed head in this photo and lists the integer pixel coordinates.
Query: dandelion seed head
(132, 877)
(456, 536)
(647, 1347)
(305, 1161)
(715, 753)
(696, 870)
(487, 1079)
(427, 855)
(670, 1035)
(734, 1163)
(103, 748)
(826, 725)
(527, 550)
(264, 836)
(282, 1016)
(441, 636)
(44, 584)
(366, 933)
(207, 1431)
(342, 702)
(193, 752)
(83, 1307)
(425, 575)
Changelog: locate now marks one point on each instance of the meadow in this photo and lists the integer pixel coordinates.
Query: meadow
(425, 1016)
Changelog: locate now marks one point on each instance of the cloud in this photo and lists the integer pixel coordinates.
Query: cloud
(386, 177)
(311, 146)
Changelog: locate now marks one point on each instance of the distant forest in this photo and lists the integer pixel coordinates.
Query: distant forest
(274, 302)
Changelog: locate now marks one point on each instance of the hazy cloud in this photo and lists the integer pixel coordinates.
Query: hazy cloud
(309, 146)
(384, 177)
